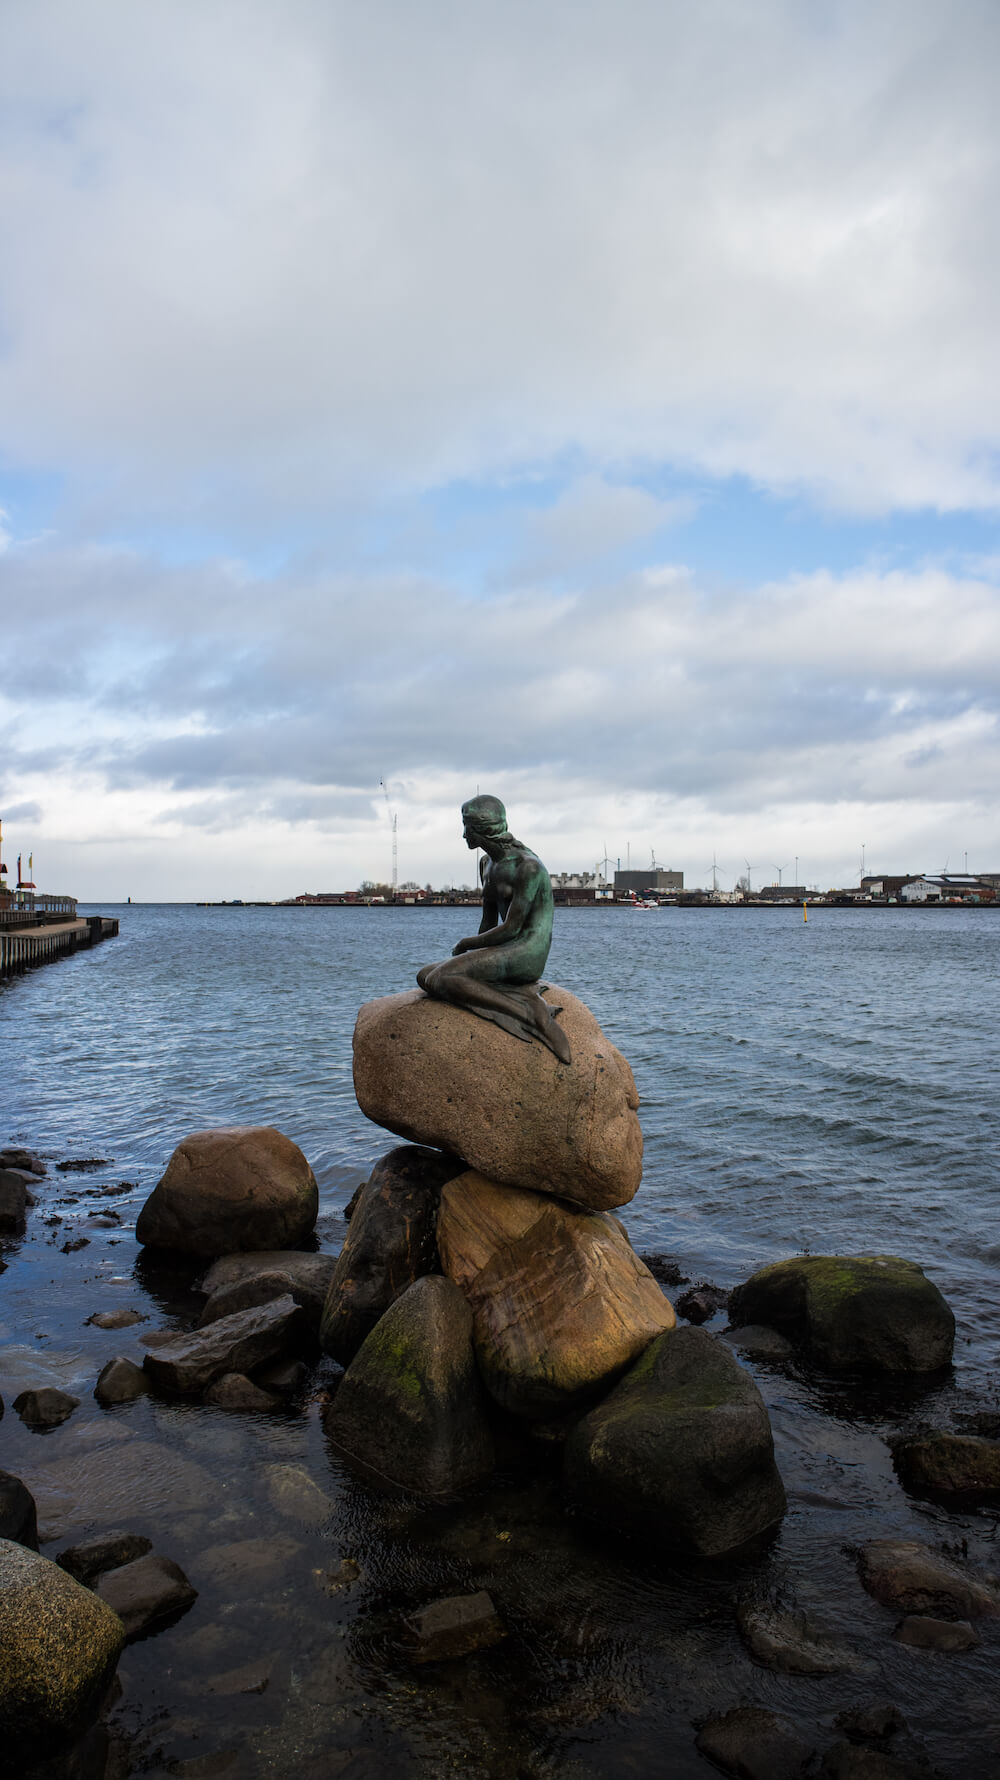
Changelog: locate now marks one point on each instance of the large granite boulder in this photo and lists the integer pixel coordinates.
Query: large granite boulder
(436, 1074)
(187, 1364)
(680, 1455)
(409, 1412)
(242, 1187)
(390, 1243)
(561, 1303)
(870, 1313)
(58, 1648)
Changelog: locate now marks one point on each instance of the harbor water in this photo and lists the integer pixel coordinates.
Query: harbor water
(827, 1086)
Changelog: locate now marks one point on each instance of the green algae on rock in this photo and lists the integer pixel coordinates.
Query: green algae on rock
(409, 1411)
(58, 1648)
(871, 1313)
(680, 1454)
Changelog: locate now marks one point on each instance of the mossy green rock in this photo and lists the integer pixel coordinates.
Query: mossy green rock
(410, 1411)
(867, 1313)
(58, 1648)
(680, 1455)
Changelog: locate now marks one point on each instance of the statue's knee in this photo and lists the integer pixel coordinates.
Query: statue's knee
(423, 976)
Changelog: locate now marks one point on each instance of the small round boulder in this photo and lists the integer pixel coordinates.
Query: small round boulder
(244, 1187)
(58, 1648)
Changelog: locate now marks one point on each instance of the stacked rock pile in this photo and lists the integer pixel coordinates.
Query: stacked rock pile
(485, 1281)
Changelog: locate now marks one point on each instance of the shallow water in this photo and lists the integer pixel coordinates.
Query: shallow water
(828, 1086)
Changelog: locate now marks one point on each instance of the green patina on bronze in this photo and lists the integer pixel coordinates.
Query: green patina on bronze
(496, 972)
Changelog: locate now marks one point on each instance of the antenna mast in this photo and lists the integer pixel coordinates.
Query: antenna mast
(392, 816)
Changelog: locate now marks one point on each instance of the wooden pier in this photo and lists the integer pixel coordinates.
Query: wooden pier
(24, 945)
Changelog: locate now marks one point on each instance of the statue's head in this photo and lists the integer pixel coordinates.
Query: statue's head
(485, 817)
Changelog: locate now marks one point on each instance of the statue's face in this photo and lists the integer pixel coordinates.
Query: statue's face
(473, 836)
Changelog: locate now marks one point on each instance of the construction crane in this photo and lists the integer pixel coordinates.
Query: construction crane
(392, 817)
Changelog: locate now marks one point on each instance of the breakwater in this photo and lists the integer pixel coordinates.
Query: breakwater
(23, 947)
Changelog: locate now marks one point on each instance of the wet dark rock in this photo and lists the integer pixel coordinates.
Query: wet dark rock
(759, 1342)
(17, 1512)
(58, 1648)
(107, 1552)
(792, 1642)
(46, 1407)
(235, 1391)
(286, 1378)
(852, 1313)
(923, 1633)
(352, 1204)
(120, 1381)
(701, 1303)
(25, 1160)
(70, 1248)
(959, 1467)
(680, 1454)
(116, 1319)
(80, 1164)
(665, 1269)
(145, 1591)
(187, 1364)
(391, 1243)
(452, 1627)
(874, 1723)
(14, 1200)
(754, 1744)
(231, 1190)
(306, 1277)
(410, 1410)
(913, 1579)
(853, 1761)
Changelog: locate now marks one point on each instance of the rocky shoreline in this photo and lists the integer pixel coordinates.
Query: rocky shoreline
(450, 1468)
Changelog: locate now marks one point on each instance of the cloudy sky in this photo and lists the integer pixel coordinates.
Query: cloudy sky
(596, 404)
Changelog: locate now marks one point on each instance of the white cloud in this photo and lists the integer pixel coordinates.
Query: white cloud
(261, 260)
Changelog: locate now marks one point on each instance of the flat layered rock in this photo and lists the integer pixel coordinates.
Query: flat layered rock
(187, 1364)
(58, 1648)
(106, 1552)
(390, 1243)
(561, 1303)
(437, 1075)
(306, 1276)
(409, 1411)
(236, 1188)
(869, 1313)
(680, 1456)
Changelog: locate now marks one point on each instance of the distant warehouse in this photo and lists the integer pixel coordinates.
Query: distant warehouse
(644, 881)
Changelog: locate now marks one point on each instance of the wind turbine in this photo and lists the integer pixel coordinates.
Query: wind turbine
(750, 868)
(715, 876)
(779, 869)
(392, 815)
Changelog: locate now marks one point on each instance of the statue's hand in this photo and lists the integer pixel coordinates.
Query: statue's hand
(464, 945)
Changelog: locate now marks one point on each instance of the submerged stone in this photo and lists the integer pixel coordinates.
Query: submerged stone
(437, 1075)
(409, 1411)
(236, 1188)
(960, 1466)
(680, 1455)
(390, 1243)
(908, 1576)
(561, 1303)
(453, 1627)
(754, 1744)
(852, 1312)
(145, 1591)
